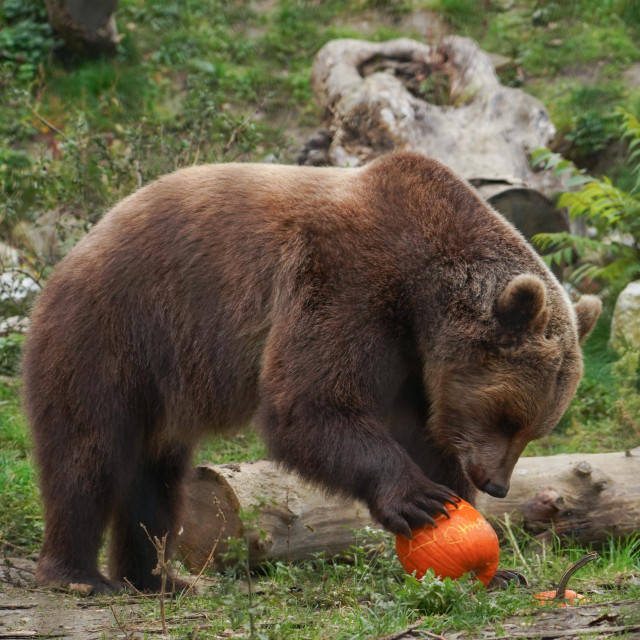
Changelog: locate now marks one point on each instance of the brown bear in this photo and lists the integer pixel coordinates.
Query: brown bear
(393, 338)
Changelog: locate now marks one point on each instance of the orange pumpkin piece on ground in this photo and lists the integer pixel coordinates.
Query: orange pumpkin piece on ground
(550, 597)
(463, 543)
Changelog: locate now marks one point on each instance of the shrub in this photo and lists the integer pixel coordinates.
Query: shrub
(611, 252)
(10, 353)
(592, 132)
(26, 38)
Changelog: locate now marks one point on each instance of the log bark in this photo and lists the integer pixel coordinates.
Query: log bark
(442, 100)
(297, 518)
(586, 497)
(583, 496)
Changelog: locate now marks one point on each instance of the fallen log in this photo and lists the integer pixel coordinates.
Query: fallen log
(583, 496)
(586, 497)
(297, 518)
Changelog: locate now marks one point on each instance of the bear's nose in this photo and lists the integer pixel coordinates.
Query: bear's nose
(495, 490)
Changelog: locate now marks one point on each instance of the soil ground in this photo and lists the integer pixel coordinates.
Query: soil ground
(28, 612)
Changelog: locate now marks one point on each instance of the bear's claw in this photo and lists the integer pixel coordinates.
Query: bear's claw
(504, 577)
(415, 503)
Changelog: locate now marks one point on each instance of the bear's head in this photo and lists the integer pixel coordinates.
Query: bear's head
(507, 378)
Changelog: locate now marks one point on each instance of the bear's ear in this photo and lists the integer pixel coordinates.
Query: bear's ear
(523, 304)
(587, 311)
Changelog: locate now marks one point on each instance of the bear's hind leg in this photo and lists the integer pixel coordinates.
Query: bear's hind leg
(77, 509)
(153, 498)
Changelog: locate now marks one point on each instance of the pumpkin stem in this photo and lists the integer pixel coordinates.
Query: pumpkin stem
(562, 585)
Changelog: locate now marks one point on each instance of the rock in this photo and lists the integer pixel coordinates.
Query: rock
(625, 324)
(14, 324)
(88, 27)
(8, 255)
(17, 292)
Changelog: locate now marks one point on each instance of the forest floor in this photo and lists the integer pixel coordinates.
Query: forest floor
(29, 612)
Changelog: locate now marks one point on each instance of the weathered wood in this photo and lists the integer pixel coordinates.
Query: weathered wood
(585, 496)
(299, 519)
(443, 100)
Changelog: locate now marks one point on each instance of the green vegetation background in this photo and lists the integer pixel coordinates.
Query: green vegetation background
(221, 80)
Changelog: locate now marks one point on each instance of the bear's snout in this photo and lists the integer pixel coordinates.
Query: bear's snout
(495, 490)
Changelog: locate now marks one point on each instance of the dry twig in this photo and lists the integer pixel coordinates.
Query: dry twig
(410, 630)
(47, 123)
(238, 130)
(29, 634)
(547, 635)
(162, 569)
(127, 635)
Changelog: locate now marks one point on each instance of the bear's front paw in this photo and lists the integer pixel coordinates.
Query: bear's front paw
(416, 503)
(503, 577)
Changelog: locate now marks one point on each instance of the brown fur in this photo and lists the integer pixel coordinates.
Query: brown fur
(368, 320)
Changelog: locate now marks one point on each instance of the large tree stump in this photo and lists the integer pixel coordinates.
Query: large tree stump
(584, 496)
(88, 27)
(444, 101)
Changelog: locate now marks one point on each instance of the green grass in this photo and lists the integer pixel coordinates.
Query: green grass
(361, 593)
(20, 513)
(244, 447)
(222, 80)
(365, 593)
(601, 416)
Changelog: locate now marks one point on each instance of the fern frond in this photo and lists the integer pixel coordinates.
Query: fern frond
(612, 256)
(564, 239)
(630, 124)
(601, 203)
(583, 271)
(546, 159)
(630, 129)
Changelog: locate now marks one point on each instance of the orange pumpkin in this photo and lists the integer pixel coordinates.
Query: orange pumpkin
(549, 597)
(463, 543)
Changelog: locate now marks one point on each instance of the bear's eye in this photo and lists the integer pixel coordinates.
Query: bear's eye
(508, 426)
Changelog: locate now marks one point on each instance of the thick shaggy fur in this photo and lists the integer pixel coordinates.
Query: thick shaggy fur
(392, 336)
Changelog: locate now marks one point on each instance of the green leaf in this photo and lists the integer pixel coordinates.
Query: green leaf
(577, 180)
